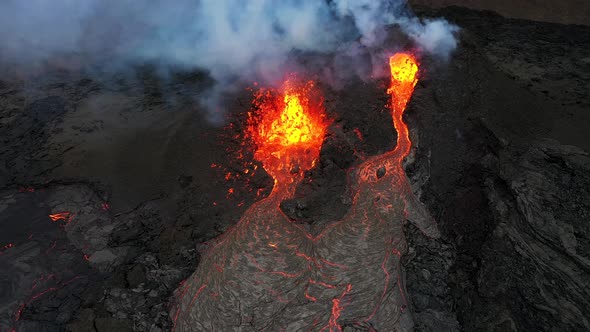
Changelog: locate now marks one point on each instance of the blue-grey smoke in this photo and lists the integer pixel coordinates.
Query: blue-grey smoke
(231, 39)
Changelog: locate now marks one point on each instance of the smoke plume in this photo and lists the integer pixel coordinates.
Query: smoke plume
(231, 39)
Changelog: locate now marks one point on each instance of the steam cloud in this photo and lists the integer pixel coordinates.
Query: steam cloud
(232, 39)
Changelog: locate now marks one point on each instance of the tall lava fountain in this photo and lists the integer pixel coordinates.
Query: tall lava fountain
(268, 273)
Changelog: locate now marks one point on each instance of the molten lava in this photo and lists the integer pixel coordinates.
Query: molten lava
(65, 216)
(404, 70)
(287, 128)
(270, 273)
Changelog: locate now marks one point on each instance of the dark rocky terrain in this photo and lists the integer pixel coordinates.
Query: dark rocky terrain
(500, 160)
(565, 12)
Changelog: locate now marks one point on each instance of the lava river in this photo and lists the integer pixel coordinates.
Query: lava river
(269, 274)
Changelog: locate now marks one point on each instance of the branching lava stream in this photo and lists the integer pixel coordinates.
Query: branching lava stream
(268, 273)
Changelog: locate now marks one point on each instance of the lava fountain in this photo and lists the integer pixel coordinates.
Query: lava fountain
(268, 273)
(404, 71)
(288, 129)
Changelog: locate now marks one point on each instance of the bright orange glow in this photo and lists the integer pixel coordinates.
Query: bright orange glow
(293, 126)
(60, 216)
(404, 70)
(287, 128)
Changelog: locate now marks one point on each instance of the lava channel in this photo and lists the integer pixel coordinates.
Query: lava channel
(268, 273)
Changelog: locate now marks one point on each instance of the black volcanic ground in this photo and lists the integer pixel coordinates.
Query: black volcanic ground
(501, 140)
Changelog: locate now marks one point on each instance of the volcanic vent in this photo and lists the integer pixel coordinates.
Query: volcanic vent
(268, 273)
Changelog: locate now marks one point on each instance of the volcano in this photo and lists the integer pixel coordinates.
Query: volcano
(439, 194)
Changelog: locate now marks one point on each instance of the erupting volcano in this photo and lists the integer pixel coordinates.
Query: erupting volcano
(269, 273)
(261, 166)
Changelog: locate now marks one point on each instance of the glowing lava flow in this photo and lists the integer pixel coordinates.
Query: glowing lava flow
(268, 273)
(404, 70)
(60, 216)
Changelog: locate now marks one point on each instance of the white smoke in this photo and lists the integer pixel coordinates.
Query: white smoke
(231, 39)
(433, 36)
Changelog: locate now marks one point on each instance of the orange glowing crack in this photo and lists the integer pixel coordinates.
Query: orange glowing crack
(35, 297)
(178, 310)
(287, 129)
(65, 216)
(309, 297)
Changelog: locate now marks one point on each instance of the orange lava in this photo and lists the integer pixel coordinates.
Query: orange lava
(404, 70)
(287, 127)
(337, 307)
(269, 257)
(66, 216)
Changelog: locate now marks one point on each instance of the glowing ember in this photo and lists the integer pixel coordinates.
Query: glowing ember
(38, 282)
(287, 128)
(5, 247)
(60, 216)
